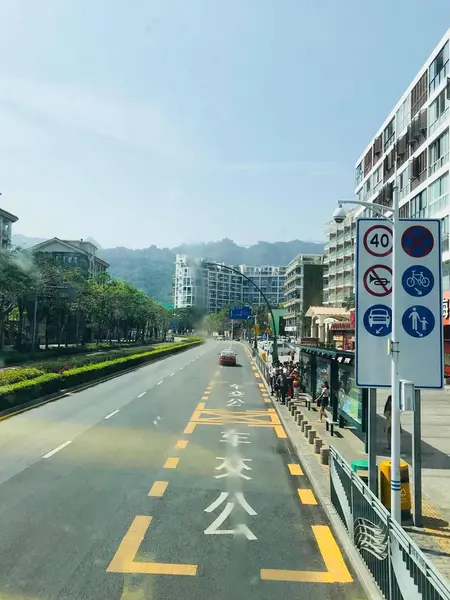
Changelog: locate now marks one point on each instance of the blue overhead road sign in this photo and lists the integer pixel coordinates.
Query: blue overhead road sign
(240, 313)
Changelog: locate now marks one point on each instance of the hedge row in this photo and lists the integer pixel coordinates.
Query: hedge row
(15, 375)
(50, 383)
(15, 357)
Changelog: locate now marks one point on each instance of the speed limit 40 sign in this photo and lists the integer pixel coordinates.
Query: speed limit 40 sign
(373, 318)
(378, 240)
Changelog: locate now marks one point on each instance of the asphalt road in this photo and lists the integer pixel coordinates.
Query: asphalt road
(173, 482)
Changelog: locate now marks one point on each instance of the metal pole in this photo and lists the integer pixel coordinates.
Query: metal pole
(395, 356)
(232, 326)
(417, 461)
(34, 322)
(372, 435)
(256, 336)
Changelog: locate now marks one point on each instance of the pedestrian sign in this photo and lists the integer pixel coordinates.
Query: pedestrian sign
(378, 280)
(418, 321)
(417, 241)
(378, 320)
(418, 281)
(418, 302)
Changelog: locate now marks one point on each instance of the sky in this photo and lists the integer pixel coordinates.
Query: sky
(141, 122)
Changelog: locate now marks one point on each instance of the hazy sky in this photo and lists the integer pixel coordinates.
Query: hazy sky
(142, 122)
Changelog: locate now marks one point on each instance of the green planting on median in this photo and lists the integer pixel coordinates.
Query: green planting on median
(15, 394)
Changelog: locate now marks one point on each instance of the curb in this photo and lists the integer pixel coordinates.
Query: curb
(315, 473)
(21, 408)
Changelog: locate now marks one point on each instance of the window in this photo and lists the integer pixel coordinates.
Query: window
(403, 183)
(404, 211)
(445, 233)
(359, 174)
(377, 178)
(438, 68)
(389, 134)
(419, 94)
(418, 171)
(436, 111)
(438, 153)
(438, 195)
(377, 148)
(418, 206)
(403, 116)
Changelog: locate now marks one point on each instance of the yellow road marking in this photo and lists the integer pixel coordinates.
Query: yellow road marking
(268, 400)
(171, 463)
(124, 559)
(295, 469)
(307, 496)
(205, 397)
(189, 427)
(257, 375)
(209, 387)
(201, 405)
(262, 386)
(253, 367)
(158, 488)
(279, 430)
(217, 373)
(181, 444)
(336, 572)
(206, 393)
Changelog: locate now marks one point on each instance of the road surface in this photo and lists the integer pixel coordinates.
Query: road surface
(175, 481)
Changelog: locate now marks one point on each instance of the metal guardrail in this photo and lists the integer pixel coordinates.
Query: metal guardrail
(399, 567)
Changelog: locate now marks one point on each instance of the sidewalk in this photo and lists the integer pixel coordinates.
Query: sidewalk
(434, 538)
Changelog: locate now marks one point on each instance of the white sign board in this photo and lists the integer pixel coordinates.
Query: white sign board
(419, 302)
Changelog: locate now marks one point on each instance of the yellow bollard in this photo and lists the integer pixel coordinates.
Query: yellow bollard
(405, 489)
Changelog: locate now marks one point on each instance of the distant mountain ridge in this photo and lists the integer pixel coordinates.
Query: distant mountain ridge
(151, 269)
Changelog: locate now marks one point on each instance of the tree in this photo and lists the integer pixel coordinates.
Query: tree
(349, 302)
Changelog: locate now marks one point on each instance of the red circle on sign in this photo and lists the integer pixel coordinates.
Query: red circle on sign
(417, 241)
(376, 282)
(385, 231)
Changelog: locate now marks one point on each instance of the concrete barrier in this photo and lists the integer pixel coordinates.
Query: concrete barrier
(311, 436)
(317, 445)
(324, 454)
(304, 423)
(300, 417)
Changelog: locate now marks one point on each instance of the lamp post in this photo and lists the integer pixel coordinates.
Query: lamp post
(231, 270)
(394, 349)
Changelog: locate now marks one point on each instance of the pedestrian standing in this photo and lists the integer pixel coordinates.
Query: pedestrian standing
(323, 400)
(283, 385)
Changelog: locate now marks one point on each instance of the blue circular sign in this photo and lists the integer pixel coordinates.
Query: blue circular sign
(378, 320)
(417, 241)
(418, 321)
(418, 281)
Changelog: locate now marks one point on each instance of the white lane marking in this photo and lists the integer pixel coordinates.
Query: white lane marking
(159, 382)
(57, 449)
(114, 412)
(172, 374)
(181, 368)
(140, 395)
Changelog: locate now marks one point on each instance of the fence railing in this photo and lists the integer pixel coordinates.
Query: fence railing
(400, 569)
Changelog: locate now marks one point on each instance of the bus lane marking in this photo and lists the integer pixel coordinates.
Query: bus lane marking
(124, 559)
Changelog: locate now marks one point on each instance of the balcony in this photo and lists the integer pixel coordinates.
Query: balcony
(438, 164)
(439, 121)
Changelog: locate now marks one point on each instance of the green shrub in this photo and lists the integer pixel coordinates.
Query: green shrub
(28, 390)
(49, 383)
(15, 375)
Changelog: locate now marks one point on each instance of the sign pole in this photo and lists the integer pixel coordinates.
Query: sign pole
(372, 446)
(395, 359)
(417, 462)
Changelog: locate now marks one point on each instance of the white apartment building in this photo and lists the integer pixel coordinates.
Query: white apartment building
(213, 288)
(338, 284)
(303, 287)
(416, 132)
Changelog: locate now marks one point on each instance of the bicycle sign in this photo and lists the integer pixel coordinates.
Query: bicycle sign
(418, 281)
(378, 240)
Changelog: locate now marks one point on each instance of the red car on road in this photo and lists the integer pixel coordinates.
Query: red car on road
(227, 357)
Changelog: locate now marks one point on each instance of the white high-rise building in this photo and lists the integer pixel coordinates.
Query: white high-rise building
(213, 288)
(416, 136)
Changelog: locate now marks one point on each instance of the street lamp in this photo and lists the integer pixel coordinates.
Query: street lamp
(339, 216)
(227, 268)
